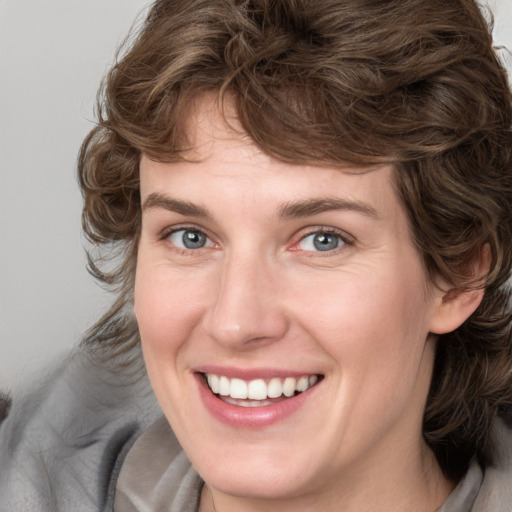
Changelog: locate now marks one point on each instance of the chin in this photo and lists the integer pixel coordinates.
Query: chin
(256, 482)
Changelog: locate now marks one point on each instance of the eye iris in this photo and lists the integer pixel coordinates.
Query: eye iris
(194, 239)
(325, 242)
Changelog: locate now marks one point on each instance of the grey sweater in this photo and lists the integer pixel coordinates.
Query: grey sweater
(63, 442)
(62, 448)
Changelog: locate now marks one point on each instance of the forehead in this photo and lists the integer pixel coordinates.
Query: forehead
(214, 135)
(222, 153)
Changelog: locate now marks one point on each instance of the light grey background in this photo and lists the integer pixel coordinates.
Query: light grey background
(53, 54)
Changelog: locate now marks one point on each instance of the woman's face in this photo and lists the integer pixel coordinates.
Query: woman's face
(268, 278)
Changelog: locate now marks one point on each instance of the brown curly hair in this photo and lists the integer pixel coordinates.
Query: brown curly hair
(413, 83)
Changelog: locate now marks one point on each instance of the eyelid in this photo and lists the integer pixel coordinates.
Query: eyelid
(169, 230)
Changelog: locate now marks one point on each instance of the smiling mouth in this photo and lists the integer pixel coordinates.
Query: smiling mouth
(258, 392)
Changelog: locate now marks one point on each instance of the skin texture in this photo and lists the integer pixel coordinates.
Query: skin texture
(259, 295)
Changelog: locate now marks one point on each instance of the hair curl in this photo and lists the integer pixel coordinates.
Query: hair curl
(408, 82)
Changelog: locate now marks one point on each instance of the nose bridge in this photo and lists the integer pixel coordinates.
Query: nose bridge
(246, 305)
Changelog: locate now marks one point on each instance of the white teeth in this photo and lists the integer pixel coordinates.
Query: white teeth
(289, 386)
(303, 384)
(247, 403)
(274, 388)
(257, 391)
(238, 388)
(223, 386)
(213, 382)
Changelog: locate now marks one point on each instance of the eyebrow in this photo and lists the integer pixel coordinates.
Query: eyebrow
(314, 206)
(156, 200)
(289, 210)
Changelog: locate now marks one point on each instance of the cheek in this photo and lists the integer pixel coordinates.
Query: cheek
(167, 307)
(373, 320)
(374, 330)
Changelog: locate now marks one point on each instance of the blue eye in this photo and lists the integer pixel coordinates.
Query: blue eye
(321, 241)
(189, 239)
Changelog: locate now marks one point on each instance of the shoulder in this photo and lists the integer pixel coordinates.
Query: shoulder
(64, 438)
(495, 494)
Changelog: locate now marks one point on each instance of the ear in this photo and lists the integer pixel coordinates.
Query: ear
(454, 306)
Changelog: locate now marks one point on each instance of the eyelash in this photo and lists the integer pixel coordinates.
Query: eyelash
(344, 238)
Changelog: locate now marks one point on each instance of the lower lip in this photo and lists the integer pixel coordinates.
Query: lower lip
(250, 417)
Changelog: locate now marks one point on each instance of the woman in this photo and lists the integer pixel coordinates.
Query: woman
(312, 207)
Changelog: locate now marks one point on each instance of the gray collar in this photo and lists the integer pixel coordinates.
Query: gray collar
(156, 475)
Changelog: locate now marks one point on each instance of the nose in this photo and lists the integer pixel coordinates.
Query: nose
(246, 307)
